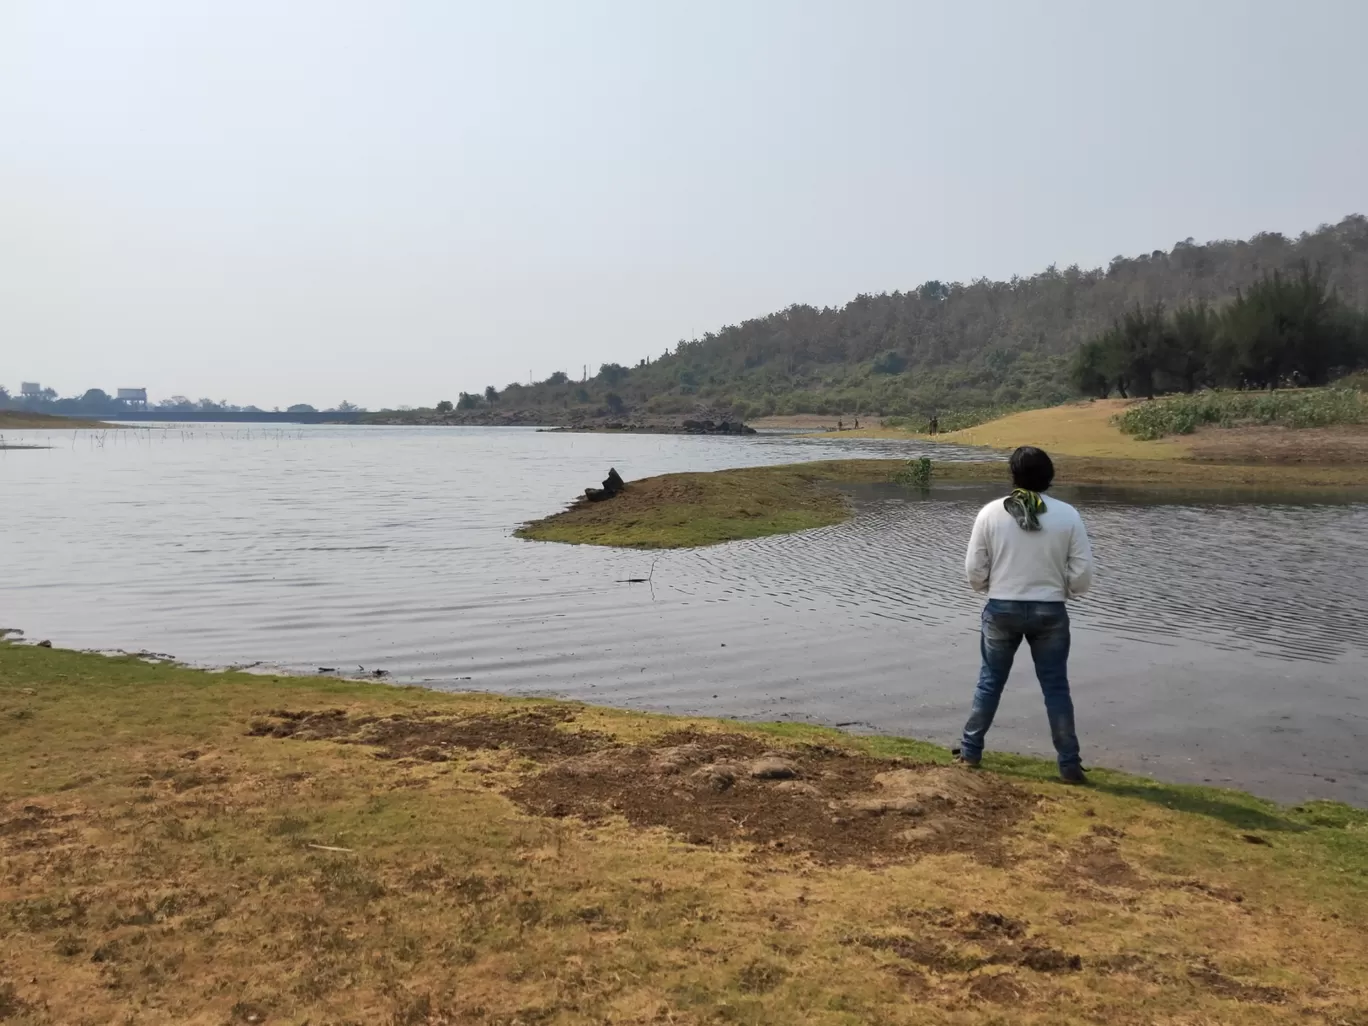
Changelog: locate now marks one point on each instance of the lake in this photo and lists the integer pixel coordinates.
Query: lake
(1226, 640)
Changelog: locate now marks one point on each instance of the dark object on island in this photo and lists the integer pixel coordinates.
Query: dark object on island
(612, 484)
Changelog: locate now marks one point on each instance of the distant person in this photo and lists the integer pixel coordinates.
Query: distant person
(935, 426)
(840, 425)
(1029, 556)
(857, 423)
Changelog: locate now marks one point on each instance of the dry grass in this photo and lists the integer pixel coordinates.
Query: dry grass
(166, 861)
(1078, 429)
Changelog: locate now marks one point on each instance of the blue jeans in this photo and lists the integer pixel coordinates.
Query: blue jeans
(1045, 626)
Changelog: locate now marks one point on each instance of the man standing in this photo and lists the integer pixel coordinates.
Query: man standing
(1028, 556)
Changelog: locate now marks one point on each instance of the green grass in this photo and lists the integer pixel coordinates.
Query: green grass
(1293, 408)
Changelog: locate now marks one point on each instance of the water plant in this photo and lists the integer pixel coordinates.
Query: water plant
(916, 474)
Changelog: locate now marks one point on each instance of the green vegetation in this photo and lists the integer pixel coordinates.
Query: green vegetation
(183, 846)
(1301, 408)
(917, 474)
(1281, 330)
(940, 348)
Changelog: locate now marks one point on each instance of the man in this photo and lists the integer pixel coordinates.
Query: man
(1028, 556)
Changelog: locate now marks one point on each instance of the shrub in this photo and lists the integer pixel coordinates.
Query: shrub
(1302, 408)
(916, 474)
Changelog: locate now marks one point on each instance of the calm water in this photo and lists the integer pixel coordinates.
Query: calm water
(1225, 641)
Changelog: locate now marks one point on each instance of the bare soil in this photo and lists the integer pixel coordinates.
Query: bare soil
(709, 788)
(1342, 444)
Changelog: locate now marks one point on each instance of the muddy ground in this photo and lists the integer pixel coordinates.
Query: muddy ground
(708, 788)
(1342, 444)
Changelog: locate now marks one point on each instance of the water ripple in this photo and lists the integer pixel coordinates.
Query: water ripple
(1213, 624)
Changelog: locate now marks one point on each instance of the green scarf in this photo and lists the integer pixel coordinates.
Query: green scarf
(1026, 507)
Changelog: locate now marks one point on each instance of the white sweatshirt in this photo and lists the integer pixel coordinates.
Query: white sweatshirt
(1050, 565)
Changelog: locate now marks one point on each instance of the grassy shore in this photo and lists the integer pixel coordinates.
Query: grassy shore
(189, 847)
(20, 420)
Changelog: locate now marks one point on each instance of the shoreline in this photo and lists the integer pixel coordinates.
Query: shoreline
(19, 420)
(253, 847)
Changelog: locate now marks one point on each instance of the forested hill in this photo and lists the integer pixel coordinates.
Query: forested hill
(939, 346)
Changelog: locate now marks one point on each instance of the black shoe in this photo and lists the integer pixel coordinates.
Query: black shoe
(1073, 775)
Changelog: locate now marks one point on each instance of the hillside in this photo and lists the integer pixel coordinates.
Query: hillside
(937, 347)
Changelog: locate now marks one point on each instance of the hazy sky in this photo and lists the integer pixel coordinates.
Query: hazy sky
(389, 202)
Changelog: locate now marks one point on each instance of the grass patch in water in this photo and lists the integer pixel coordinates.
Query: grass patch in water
(22, 420)
(160, 849)
(1291, 408)
(686, 510)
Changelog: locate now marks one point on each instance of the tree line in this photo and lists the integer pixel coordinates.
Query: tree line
(945, 346)
(98, 402)
(1282, 330)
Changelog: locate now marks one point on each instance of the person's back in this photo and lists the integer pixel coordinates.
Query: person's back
(1051, 563)
(1028, 555)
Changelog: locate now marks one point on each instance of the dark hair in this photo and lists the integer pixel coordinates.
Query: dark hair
(1032, 469)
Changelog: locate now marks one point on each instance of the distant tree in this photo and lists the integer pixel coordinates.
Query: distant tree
(48, 395)
(1285, 330)
(581, 395)
(612, 374)
(96, 399)
(1088, 371)
(558, 378)
(1142, 338)
(345, 407)
(890, 362)
(176, 402)
(467, 401)
(1190, 345)
(491, 394)
(301, 408)
(933, 291)
(445, 407)
(614, 403)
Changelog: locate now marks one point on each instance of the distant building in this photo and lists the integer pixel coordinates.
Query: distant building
(30, 389)
(135, 397)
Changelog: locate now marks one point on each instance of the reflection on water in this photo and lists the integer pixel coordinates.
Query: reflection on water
(1224, 640)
